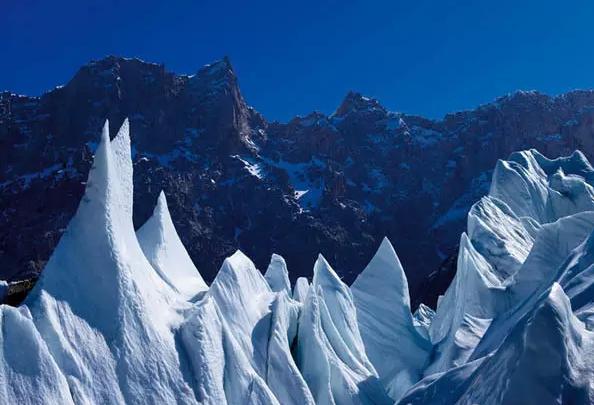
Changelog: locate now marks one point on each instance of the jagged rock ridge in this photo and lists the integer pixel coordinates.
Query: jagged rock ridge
(337, 183)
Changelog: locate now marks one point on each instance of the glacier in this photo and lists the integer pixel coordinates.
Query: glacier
(124, 317)
(166, 253)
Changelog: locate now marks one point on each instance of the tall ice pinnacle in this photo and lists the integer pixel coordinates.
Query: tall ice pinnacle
(166, 253)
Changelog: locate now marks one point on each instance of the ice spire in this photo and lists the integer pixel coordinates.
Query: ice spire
(277, 274)
(166, 253)
(300, 289)
(98, 290)
(244, 298)
(398, 352)
(122, 149)
(89, 240)
(330, 352)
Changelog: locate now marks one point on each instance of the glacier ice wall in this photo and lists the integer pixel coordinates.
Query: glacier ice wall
(120, 316)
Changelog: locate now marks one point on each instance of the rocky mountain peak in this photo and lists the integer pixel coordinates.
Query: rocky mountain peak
(112, 69)
(219, 69)
(314, 182)
(354, 102)
(218, 78)
(214, 91)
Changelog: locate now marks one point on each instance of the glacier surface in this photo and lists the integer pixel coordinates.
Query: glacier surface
(120, 316)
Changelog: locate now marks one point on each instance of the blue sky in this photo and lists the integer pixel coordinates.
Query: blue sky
(421, 57)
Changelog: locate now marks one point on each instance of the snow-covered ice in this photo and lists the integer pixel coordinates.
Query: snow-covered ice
(277, 275)
(394, 346)
(124, 317)
(166, 253)
(300, 290)
(330, 351)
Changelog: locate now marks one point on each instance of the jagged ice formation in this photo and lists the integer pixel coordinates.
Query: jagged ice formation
(124, 317)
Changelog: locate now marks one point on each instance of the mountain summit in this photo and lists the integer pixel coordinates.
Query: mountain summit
(355, 102)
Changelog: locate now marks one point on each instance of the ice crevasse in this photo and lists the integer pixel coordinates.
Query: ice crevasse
(120, 316)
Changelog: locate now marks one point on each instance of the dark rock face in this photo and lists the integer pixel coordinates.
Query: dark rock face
(335, 184)
(437, 282)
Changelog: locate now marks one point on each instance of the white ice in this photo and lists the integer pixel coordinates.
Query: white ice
(166, 253)
(123, 317)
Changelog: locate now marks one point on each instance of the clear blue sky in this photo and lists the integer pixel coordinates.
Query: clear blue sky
(423, 57)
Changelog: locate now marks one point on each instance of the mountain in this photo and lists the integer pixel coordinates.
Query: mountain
(234, 180)
(120, 316)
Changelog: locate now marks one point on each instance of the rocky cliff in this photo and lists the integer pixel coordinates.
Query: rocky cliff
(336, 184)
